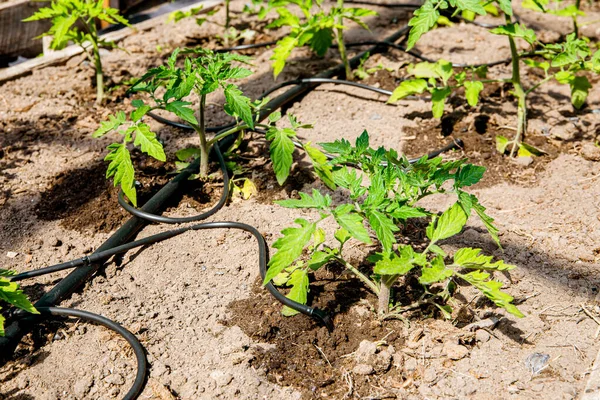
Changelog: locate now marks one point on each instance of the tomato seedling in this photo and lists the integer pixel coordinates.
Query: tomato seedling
(383, 204)
(564, 62)
(168, 86)
(317, 31)
(11, 293)
(75, 21)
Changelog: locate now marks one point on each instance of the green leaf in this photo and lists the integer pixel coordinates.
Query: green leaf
(501, 143)
(384, 228)
(491, 289)
(113, 123)
(187, 153)
(472, 90)
(580, 86)
(60, 29)
(321, 41)
(450, 223)
(289, 247)
(469, 5)
(147, 141)
(281, 150)
(394, 263)
(488, 221)
(405, 212)
(1, 324)
(469, 175)
(342, 236)
(185, 113)
(505, 6)
(436, 273)
(11, 293)
(299, 291)
(322, 168)
(438, 98)
(352, 222)
(516, 31)
(238, 105)
(281, 53)
(408, 88)
(422, 21)
(318, 259)
(471, 258)
(139, 112)
(121, 168)
(317, 200)
(544, 65)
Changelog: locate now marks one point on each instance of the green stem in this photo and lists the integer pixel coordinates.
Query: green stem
(359, 275)
(540, 83)
(97, 63)
(202, 134)
(227, 22)
(575, 24)
(519, 93)
(231, 131)
(340, 40)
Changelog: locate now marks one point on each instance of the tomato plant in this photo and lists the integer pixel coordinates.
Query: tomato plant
(75, 21)
(168, 87)
(11, 293)
(317, 30)
(564, 62)
(383, 204)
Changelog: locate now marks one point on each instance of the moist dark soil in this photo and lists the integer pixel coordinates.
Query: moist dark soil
(305, 355)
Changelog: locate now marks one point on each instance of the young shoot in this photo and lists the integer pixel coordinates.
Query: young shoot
(75, 21)
(374, 215)
(169, 88)
(564, 62)
(318, 30)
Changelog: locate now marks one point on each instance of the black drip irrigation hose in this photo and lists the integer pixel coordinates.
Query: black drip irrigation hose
(138, 349)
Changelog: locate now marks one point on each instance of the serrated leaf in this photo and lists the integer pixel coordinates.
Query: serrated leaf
(11, 293)
(450, 223)
(408, 88)
(317, 200)
(113, 123)
(469, 5)
(384, 228)
(322, 168)
(238, 105)
(471, 258)
(468, 175)
(148, 143)
(121, 168)
(437, 272)
(505, 6)
(281, 53)
(318, 259)
(321, 41)
(422, 21)
(517, 31)
(488, 221)
(289, 247)
(281, 150)
(187, 153)
(352, 222)
(472, 90)
(405, 212)
(185, 113)
(342, 236)
(395, 263)
(299, 291)
(491, 289)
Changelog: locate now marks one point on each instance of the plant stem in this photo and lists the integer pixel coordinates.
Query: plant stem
(359, 275)
(202, 134)
(227, 22)
(575, 24)
(97, 63)
(231, 131)
(341, 45)
(519, 93)
(384, 293)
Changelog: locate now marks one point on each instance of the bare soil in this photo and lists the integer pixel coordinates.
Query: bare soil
(195, 301)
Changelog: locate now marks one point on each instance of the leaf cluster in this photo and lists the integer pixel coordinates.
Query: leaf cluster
(383, 189)
(315, 30)
(168, 87)
(65, 16)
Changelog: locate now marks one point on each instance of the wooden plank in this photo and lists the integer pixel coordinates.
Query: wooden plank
(16, 36)
(63, 55)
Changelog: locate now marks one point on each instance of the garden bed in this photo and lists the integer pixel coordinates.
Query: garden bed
(194, 301)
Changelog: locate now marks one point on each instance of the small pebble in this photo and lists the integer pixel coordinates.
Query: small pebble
(12, 254)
